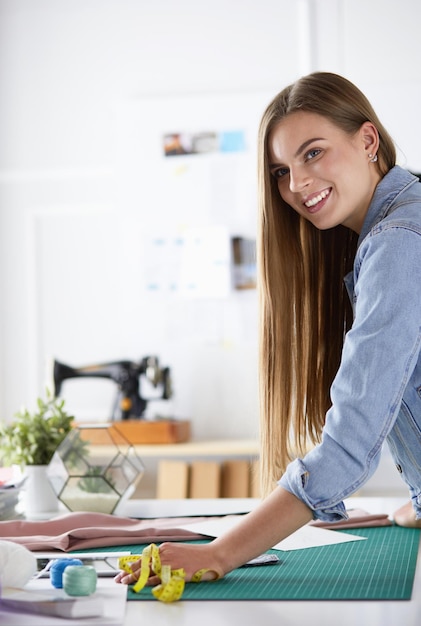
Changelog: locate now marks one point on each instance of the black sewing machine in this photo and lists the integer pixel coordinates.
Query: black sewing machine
(129, 403)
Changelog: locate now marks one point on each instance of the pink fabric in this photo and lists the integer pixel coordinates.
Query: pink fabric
(80, 531)
(357, 519)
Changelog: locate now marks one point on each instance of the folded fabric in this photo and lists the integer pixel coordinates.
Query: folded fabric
(357, 518)
(84, 530)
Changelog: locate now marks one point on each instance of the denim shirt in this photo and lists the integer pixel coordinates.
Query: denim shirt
(376, 394)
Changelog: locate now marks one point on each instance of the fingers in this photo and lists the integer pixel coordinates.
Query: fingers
(208, 574)
(197, 562)
(126, 579)
(129, 579)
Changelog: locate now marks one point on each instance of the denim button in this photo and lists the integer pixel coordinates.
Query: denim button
(399, 468)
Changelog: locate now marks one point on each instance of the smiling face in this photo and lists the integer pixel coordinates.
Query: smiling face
(323, 173)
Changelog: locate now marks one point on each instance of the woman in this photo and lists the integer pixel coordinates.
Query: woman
(339, 255)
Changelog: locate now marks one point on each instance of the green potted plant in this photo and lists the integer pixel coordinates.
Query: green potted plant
(30, 441)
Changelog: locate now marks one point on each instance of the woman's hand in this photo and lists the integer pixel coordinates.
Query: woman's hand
(279, 515)
(405, 516)
(191, 558)
(129, 579)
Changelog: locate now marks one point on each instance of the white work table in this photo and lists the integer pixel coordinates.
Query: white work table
(239, 613)
(280, 613)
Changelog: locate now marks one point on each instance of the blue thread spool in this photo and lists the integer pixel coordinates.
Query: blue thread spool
(79, 581)
(57, 569)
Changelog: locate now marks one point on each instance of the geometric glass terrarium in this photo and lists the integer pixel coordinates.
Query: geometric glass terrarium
(94, 468)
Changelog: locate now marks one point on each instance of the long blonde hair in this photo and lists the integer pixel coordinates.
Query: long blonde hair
(304, 308)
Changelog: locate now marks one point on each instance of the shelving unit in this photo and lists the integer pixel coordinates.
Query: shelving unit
(199, 469)
(231, 448)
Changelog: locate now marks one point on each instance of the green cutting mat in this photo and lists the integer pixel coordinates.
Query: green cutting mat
(380, 568)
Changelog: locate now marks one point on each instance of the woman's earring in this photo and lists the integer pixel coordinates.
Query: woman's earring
(372, 158)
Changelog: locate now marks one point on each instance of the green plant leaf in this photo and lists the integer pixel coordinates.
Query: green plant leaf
(32, 437)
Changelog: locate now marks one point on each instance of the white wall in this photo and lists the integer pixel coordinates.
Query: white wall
(77, 195)
(87, 86)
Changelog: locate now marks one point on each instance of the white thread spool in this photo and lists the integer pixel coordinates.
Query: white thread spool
(17, 564)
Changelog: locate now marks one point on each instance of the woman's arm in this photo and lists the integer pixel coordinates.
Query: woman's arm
(277, 517)
(274, 519)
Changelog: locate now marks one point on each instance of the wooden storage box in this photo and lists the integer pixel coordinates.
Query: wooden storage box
(160, 431)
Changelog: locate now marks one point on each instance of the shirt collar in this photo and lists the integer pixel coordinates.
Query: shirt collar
(391, 185)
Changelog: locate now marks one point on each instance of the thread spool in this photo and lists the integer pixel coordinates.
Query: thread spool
(17, 565)
(57, 570)
(79, 580)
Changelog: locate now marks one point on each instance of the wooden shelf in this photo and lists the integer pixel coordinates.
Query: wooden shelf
(217, 448)
(172, 469)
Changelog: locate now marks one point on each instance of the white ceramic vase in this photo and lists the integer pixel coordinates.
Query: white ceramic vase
(38, 497)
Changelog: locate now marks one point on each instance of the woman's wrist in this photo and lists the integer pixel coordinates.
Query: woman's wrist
(216, 560)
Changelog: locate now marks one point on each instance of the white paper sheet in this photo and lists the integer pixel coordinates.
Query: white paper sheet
(305, 537)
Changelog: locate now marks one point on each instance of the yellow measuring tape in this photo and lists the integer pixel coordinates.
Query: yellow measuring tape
(172, 581)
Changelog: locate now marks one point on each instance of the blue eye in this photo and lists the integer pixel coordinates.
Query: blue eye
(312, 153)
(280, 172)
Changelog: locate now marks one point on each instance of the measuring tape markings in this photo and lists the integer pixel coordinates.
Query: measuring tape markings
(172, 581)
